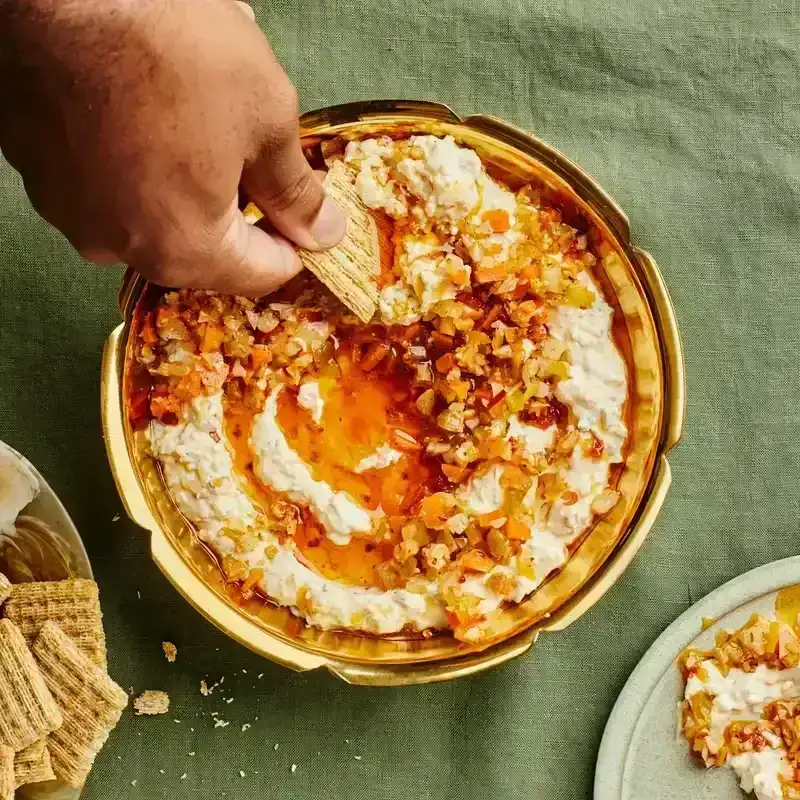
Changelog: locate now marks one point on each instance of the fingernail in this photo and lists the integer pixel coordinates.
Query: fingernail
(330, 225)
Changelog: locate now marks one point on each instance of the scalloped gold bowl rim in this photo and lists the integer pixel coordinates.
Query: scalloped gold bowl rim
(554, 170)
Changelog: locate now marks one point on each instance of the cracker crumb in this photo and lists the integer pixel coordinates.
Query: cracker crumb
(170, 651)
(204, 688)
(151, 703)
(116, 518)
(246, 727)
(192, 753)
(357, 758)
(241, 773)
(294, 768)
(133, 783)
(220, 723)
(276, 746)
(229, 700)
(183, 777)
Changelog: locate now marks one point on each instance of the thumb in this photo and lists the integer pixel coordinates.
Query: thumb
(290, 195)
(231, 257)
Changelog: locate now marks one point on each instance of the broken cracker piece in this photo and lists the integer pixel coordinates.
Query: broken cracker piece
(5, 588)
(170, 651)
(151, 702)
(37, 771)
(90, 702)
(349, 269)
(33, 752)
(7, 785)
(28, 710)
(73, 604)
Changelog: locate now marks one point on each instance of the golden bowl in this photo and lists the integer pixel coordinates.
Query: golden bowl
(657, 394)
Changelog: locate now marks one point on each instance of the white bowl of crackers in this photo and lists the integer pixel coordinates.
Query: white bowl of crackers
(57, 701)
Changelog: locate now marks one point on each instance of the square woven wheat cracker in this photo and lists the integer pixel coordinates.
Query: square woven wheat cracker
(90, 702)
(27, 709)
(5, 588)
(7, 784)
(73, 604)
(350, 269)
(34, 771)
(33, 752)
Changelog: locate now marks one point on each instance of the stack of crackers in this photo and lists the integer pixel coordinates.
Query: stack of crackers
(57, 702)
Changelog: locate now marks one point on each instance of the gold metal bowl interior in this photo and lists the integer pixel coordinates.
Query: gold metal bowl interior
(646, 331)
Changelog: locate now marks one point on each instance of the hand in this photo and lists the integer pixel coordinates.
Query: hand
(133, 125)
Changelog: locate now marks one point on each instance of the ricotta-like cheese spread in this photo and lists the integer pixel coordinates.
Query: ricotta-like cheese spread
(425, 470)
(741, 704)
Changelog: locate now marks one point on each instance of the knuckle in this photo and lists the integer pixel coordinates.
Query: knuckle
(297, 190)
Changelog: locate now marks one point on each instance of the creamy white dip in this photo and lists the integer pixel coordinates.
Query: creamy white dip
(310, 398)
(741, 696)
(760, 772)
(383, 457)
(533, 440)
(198, 469)
(484, 494)
(597, 385)
(279, 467)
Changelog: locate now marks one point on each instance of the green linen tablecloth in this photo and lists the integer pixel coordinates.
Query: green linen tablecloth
(688, 113)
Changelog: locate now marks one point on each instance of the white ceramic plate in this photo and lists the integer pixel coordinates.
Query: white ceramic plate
(642, 756)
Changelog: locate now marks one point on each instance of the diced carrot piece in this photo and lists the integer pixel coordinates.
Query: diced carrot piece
(435, 509)
(444, 341)
(491, 274)
(190, 385)
(486, 519)
(253, 577)
(445, 363)
(455, 474)
(531, 272)
(476, 561)
(493, 314)
(376, 352)
(259, 356)
(498, 218)
(516, 529)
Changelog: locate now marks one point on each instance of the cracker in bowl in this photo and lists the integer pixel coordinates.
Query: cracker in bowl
(28, 710)
(91, 703)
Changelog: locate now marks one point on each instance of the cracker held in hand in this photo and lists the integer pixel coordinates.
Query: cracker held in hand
(350, 269)
(26, 772)
(91, 703)
(27, 709)
(73, 604)
(7, 784)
